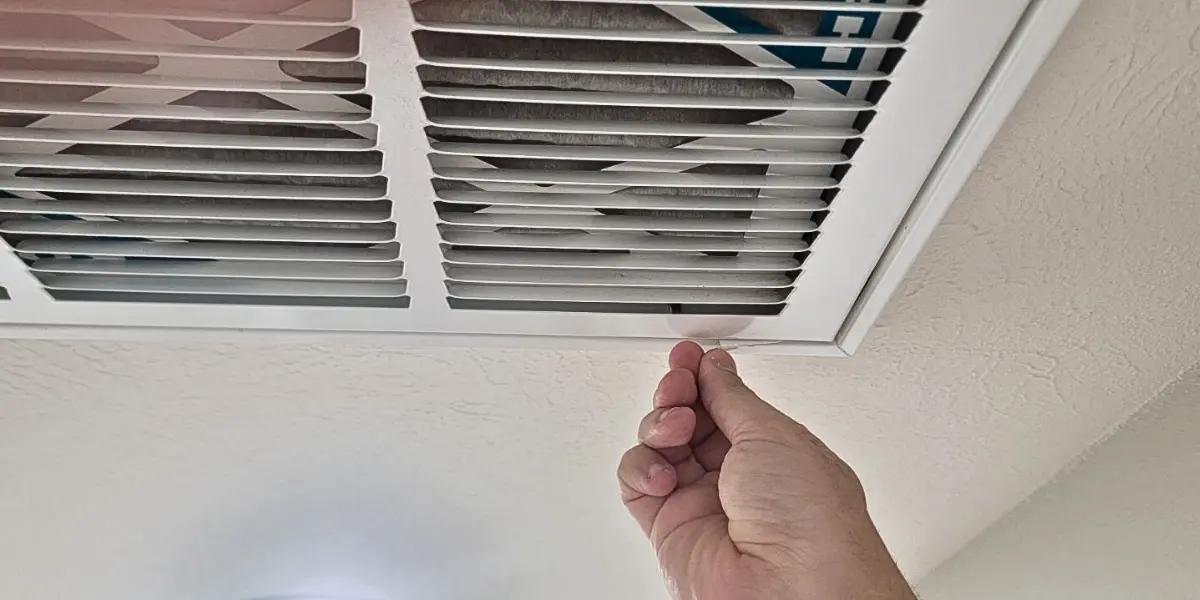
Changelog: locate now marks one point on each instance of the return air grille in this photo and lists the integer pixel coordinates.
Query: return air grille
(161, 152)
(489, 171)
(636, 157)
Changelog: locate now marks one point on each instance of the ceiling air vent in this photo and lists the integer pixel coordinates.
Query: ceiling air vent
(758, 172)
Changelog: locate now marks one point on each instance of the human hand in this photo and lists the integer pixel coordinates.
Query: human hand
(743, 503)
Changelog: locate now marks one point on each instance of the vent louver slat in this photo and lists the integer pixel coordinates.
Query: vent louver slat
(648, 242)
(121, 8)
(686, 37)
(174, 231)
(649, 129)
(170, 208)
(612, 278)
(631, 201)
(626, 154)
(175, 51)
(174, 82)
(643, 156)
(649, 69)
(654, 100)
(590, 294)
(230, 164)
(848, 6)
(231, 269)
(628, 223)
(235, 287)
(171, 139)
(627, 179)
(386, 253)
(588, 260)
(83, 185)
(183, 113)
(185, 165)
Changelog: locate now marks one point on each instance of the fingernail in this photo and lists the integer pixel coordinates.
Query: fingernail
(658, 427)
(656, 471)
(723, 361)
(662, 416)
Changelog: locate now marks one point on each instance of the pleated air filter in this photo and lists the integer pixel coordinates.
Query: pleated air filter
(482, 170)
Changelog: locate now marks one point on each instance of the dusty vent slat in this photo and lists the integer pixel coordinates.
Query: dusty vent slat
(649, 100)
(183, 113)
(649, 128)
(651, 69)
(649, 243)
(182, 140)
(222, 268)
(540, 293)
(192, 188)
(211, 250)
(596, 260)
(170, 82)
(180, 165)
(616, 278)
(172, 50)
(627, 223)
(628, 154)
(631, 201)
(685, 37)
(171, 208)
(633, 178)
(847, 6)
(119, 8)
(117, 283)
(181, 231)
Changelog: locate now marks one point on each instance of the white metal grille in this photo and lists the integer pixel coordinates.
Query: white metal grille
(556, 170)
(167, 152)
(636, 157)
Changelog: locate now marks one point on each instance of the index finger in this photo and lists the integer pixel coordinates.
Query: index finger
(686, 355)
(676, 388)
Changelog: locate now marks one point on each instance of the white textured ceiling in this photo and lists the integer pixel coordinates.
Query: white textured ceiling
(1060, 294)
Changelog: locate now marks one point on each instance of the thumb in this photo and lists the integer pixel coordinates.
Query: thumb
(737, 411)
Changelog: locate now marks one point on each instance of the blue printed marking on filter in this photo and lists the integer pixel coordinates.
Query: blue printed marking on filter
(832, 24)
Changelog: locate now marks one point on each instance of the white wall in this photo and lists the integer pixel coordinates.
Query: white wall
(1124, 523)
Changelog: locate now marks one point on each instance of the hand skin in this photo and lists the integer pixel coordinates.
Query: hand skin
(743, 503)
